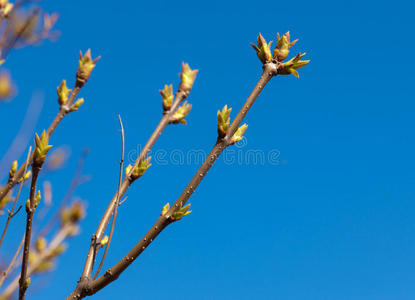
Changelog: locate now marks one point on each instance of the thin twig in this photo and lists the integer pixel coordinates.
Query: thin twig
(11, 212)
(117, 203)
(89, 263)
(87, 288)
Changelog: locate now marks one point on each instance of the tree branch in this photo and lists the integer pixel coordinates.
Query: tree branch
(30, 210)
(87, 288)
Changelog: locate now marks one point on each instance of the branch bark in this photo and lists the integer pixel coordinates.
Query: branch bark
(30, 210)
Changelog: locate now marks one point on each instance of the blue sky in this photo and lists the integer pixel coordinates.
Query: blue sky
(332, 218)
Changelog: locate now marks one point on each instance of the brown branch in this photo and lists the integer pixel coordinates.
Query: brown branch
(165, 120)
(30, 210)
(11, 212)
(63, 111)
(117, 203)
(87, 288)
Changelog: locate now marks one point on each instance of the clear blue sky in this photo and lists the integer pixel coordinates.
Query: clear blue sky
(334, 219)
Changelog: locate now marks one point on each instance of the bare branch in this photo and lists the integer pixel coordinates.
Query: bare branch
(117, 203)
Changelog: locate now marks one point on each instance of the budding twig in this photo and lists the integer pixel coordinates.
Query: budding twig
(42, 147)
(181, 94)
(83, 73)
(165, 219)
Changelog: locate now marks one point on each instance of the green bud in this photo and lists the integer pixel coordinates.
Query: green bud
(263, 49)
(165, 209)
(140, 169)
(77, 104)
(57, 251)
(223, 120)
(104, 241)
(63, 93)
(27, 282)
(13, 169)
(239, 134)
(291, 66)
(281, 51)
(181, 212)
(181, 113)
(167, 95)
(73, 214)
(40, 244)
(187, 77)
(42, 148)
(85, 67)
(27, 175)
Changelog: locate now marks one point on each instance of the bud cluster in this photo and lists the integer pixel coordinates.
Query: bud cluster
(280, 53)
